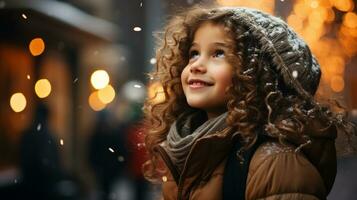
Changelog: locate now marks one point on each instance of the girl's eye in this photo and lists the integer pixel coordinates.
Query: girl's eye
(194, 54)
(218, 53)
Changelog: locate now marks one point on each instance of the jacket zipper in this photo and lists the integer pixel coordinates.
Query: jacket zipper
(174, 171)
(181, 180)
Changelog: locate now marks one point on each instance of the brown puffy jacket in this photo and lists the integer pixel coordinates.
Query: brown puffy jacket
(276, 171)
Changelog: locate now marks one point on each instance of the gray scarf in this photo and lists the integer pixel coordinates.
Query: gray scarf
(183, 134)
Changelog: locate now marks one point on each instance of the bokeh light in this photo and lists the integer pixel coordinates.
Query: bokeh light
(343, 5)
(350, 20)
(18, 102)
(337, 83)
(37, 46)
(99, 79)
(332, 42)
(267, 6)
(134, 91)
(156, 93)
(43, 88)
(95, 103)
(107, 94)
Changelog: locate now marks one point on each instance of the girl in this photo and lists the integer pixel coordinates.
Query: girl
(239, 119)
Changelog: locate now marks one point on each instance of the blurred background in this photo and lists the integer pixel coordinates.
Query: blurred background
(73, 81)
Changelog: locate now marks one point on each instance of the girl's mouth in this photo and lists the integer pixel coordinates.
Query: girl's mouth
(197, 83)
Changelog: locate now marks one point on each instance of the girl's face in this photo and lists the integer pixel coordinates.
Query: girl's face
(208, 73)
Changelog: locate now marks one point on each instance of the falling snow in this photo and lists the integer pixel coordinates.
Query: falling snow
(141, 4)
(24, 16)
(295, 74)
(111, 150)
(39, 126)
(137, 86)
(61, 142)
(164, 178)
(28, 77)
(75, 80)
(153, 61)
(121, 159)
(137, 29)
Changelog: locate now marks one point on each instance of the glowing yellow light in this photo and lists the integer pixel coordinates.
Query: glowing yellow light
(95, 102)
(37, 46)
(317, 17)
(18, 102)
(337, 83)
(330, 15)
(350, 20)
(347, 41)
(164, 178)
(301, 10)
(295, 21)
(343, 5)
(314, 4)
(107, 94)
(43, 88)
(156, 93)
(264, 5)
(99, 79)
(336, 64)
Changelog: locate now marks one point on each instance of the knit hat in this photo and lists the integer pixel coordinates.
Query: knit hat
(290, 56)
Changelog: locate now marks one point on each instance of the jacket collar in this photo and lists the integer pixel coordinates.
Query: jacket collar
(204, 157)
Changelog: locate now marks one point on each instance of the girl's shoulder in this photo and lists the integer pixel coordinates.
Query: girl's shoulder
(278, 170)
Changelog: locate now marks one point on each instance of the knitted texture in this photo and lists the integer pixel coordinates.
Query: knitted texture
(290, 55)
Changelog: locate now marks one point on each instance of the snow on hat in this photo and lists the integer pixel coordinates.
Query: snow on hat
(290, 55)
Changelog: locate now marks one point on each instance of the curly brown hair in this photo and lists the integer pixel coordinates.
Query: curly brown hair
(258, 99)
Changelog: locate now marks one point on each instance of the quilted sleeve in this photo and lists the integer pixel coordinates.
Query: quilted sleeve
(276, 172)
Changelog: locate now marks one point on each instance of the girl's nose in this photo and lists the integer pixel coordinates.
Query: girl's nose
(198, 66)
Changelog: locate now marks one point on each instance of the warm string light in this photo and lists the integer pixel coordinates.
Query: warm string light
(156, 93)
(99, 79)
(37, 46)
(313, 20)
(105, 92)
(43, 88)
(95, 103)
(18, 102)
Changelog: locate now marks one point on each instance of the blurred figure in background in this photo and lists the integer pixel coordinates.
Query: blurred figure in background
(137, 159)
(39, 159)
(107, 153)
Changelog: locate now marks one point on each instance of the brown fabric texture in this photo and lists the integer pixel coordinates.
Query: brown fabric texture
(276, 171)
